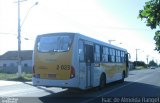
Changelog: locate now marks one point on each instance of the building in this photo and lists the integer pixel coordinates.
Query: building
(9, 61)
(131, 65)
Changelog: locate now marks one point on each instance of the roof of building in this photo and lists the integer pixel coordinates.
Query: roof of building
(13, 55)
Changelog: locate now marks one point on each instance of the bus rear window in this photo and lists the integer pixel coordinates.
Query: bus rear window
(54, 43)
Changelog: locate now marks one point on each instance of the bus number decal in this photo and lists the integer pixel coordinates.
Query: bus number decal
(63, 67)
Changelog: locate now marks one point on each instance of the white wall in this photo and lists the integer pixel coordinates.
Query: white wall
(15, 62)
(11, 66)
(28, 62)
(8, 63)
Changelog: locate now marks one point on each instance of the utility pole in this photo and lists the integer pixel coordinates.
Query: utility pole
(19, 42)
(147, 60)
(19, 36)
(136, 57)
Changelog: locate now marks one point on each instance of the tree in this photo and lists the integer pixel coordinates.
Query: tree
(151, 14)
(139, 63)
(152, 63)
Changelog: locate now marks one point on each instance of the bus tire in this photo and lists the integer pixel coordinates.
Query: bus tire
(102, 83)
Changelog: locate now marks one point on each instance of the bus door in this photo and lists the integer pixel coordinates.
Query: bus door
(89, 60)
(127, 63)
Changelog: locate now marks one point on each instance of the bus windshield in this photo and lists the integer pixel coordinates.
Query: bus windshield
(56, 43)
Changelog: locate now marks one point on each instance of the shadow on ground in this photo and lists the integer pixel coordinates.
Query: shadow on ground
(94, 96)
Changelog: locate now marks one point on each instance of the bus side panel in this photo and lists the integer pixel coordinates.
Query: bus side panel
(113, 71)
(75, 60)
(96, 75)
(86, 75)
(89, 74)
(110, 71)
(82, 75)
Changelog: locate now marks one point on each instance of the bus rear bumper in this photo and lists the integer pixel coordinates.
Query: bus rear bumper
(71, 83)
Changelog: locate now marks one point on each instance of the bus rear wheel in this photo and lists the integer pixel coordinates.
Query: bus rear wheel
(102, 83)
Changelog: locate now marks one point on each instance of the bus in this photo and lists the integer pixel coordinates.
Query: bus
(73, 60)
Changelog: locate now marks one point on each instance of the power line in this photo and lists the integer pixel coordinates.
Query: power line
(5, 33)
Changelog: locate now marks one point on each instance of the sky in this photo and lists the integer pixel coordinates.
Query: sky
(101, 19)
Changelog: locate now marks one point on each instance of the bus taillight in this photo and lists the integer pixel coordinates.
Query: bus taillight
(33, 72)
(72, 74)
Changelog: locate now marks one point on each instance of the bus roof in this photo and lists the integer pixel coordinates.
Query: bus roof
(87, 38)
(99, 42)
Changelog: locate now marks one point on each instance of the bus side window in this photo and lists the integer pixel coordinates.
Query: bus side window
(97, 53)
(118, 56)
(122, 57)
(112, 55)
(81, 50)
(105, 54)
(109, 55)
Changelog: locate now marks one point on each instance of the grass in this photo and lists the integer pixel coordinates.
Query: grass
(14, 77)
(139, 67)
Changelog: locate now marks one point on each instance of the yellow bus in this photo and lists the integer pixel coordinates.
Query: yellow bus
(73, 60)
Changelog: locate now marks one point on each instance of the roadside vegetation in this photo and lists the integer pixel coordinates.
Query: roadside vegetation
(142, 65)
(150, 14)
(139, 65)
(14, 77)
